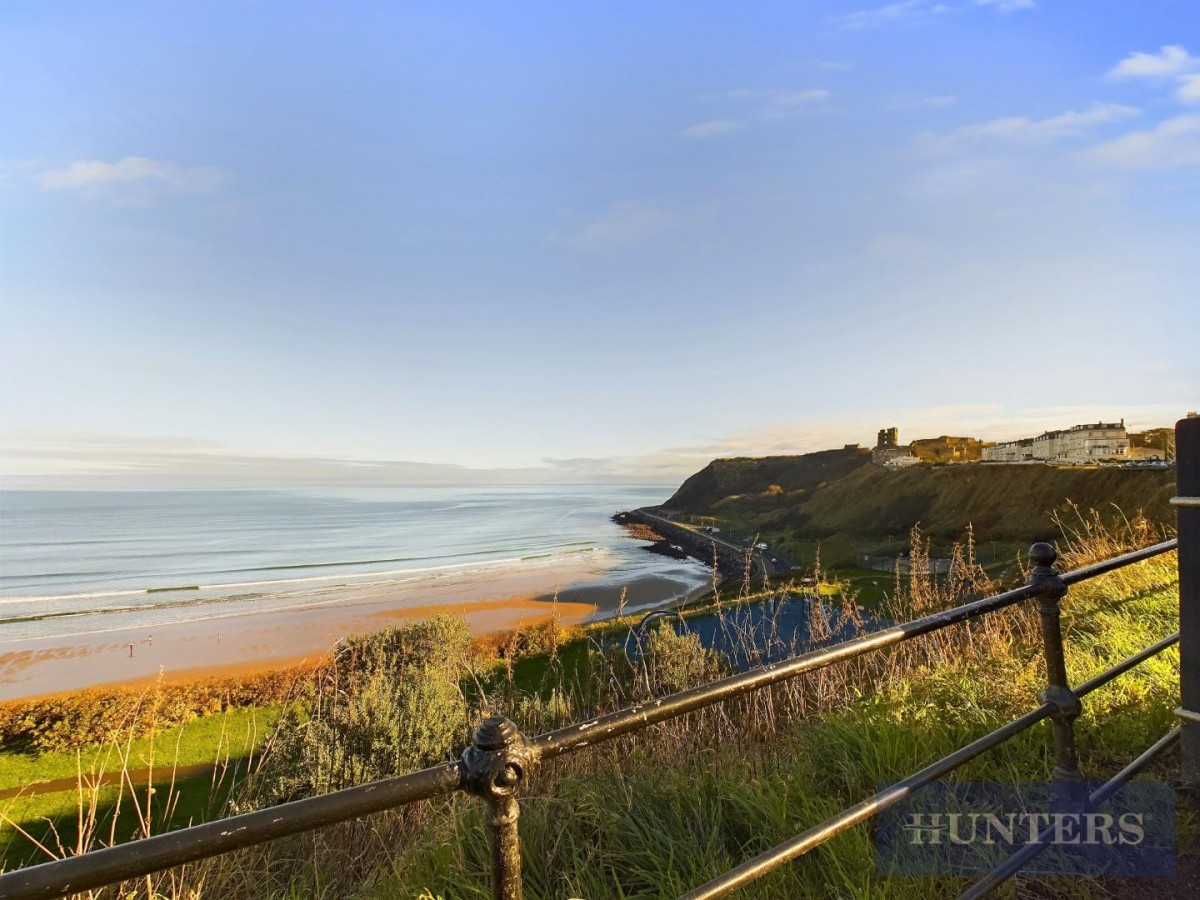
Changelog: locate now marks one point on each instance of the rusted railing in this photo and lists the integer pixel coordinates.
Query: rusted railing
(500, 757)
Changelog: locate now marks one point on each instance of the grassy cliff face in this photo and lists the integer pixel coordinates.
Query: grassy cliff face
(839, 498)
(796, 477)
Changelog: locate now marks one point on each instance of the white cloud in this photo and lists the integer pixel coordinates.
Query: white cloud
(133, 178)
(771, 104)
(748, 107)
(1171, 61)
(713, 128)
(776, 99)
(1171, 144)
(892, 12)
(625, 223)
(1023, 130)
(1189, 89)
(1007, 6)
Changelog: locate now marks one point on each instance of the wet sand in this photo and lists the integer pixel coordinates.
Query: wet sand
(244, 643)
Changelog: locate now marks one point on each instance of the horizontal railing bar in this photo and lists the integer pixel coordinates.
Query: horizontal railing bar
(173, 848)
(1119, 562)
(800, 845)
(152, 854)
(818, 834)
(637, 717)
(1125, 665)
(634, 718)
(1021, 858)
(1109, 787)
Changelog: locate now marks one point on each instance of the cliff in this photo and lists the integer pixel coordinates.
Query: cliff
(839, 497)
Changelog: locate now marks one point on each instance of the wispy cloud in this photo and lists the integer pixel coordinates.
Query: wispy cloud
(892, 12)
(783, 101)
(97, 460)
(920, 10)
(1189, 89)
(134, 179)
(1007, 6)
(776, 98)
(939, 101)
(747, 107)
(711, 129)
(1172, 61)
(1023, 130)
(771, 104)
(623, 224)
(1173, 143)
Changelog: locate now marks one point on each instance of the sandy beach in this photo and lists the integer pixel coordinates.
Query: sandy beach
(244, 642)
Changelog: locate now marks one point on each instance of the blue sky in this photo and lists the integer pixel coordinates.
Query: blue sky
(265, 242)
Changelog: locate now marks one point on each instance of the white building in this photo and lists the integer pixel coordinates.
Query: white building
(1093, 443)
(1080, 444)
(1048, 445)
(1009, 451)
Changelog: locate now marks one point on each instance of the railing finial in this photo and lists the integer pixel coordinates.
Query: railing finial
(1043, 554)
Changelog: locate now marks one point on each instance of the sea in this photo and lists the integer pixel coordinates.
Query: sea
(78, 562)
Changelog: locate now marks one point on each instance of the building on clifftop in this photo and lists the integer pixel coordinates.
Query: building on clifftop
(946, 449)
(1090, 443)
(888, 451)
(1094, 443)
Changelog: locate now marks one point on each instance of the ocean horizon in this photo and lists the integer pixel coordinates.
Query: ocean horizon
(77, 562)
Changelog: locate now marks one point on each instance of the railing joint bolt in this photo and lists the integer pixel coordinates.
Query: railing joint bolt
(1065, 702)
(492, 768)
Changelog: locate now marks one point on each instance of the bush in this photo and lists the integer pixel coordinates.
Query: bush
(388, 704)
(675, 662)
(544, 638)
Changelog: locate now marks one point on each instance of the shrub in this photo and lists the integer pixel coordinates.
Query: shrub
(675, 662)
(388, 703)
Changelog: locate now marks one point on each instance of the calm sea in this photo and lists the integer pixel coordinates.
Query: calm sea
(73, 561)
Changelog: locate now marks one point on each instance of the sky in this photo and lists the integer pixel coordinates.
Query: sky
(267, 243)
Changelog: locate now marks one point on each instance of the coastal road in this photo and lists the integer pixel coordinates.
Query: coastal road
(768, 562)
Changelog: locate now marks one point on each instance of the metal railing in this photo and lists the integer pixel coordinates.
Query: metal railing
(500, 758)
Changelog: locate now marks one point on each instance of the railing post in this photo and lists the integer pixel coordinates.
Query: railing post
(493, 767)
(1187, 503)
(1051, 589)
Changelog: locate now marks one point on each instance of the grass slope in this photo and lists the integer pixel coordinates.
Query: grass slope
(838, 498)
(655, 821)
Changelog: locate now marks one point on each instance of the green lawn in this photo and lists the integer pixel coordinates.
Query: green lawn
(162, 768)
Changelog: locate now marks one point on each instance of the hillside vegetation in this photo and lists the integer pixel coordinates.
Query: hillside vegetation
(838, 498)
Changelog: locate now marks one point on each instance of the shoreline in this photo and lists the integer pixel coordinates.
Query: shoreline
(249, 643)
